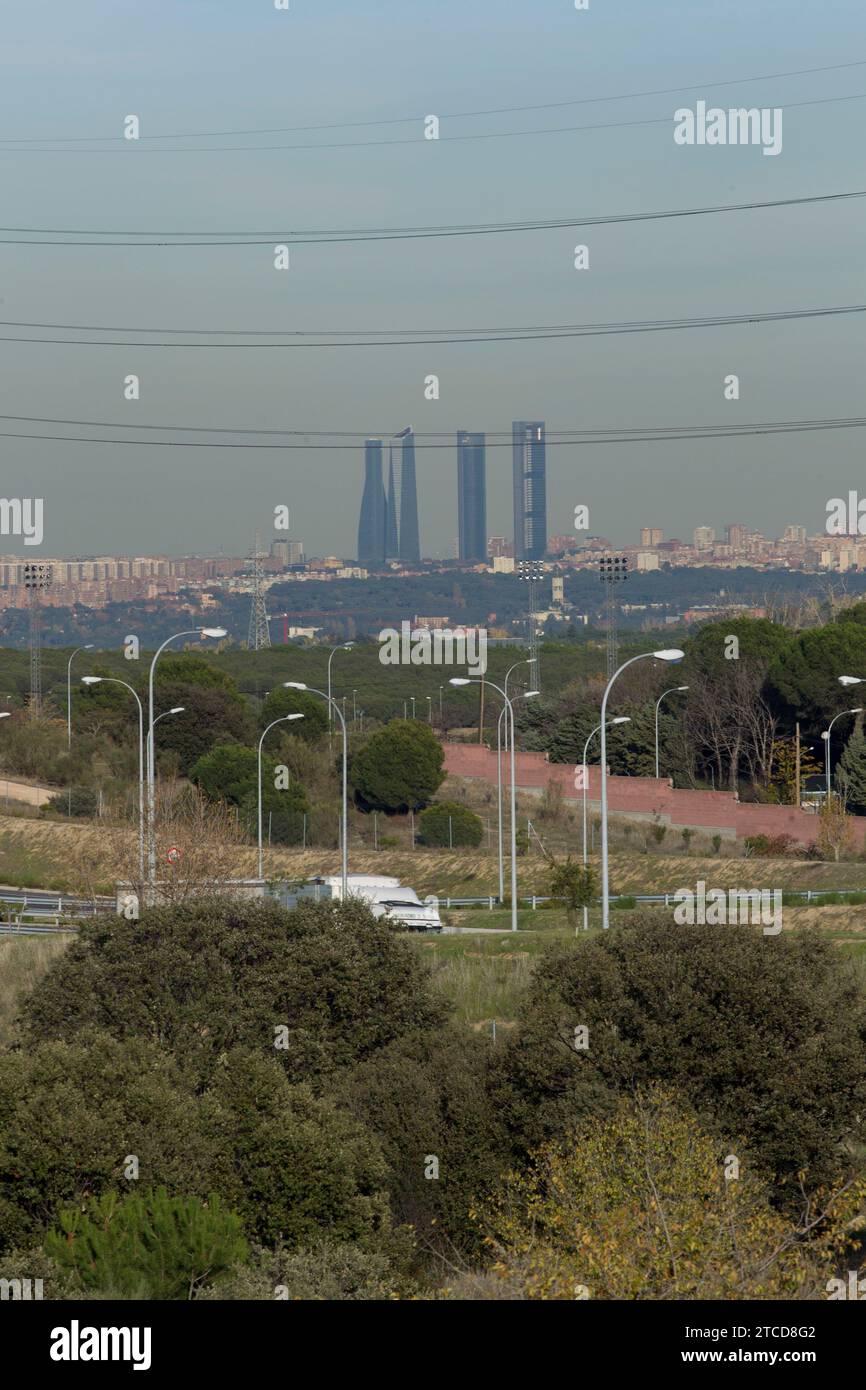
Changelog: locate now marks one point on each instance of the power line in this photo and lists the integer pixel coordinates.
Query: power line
(416, 337)
(646, 434)
(133, 146)
(447, 116)
(335, 237)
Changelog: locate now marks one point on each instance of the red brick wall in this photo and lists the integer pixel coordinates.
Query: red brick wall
(644, 797)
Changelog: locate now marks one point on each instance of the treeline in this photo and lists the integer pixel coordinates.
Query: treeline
(227, 1100)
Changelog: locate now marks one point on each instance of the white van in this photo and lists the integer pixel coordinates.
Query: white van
(386, 897)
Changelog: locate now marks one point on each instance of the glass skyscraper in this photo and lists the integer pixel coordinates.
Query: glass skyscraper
(371, 522)
(409, 543)
(530, 489)
(471, 496)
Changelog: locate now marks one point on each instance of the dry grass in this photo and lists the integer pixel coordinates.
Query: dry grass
(23, 961)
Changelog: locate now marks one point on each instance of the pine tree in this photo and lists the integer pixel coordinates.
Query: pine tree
(851, 774)
(148, 1246)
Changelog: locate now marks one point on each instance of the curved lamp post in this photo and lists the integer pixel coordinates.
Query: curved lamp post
(114, 680)
(620, 719)
(216, 632)
(666, 654)
(87, 648)
(528, 695)
(332, 703)
(673, 690)
(828, 731)
(282, 720)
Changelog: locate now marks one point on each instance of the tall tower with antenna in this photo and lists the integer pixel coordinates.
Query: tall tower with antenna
(37, 577)
(259, 633)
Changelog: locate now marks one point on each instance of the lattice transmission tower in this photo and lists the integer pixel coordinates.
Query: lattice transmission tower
(612, 571)
(37, 578)
(532, 571)
(259, 635)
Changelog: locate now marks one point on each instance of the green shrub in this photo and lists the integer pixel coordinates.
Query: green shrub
(765, 1036)
(209, 976)
(147, 1246)
(447, 823)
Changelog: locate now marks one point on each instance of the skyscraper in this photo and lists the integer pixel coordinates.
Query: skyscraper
(530, 489)
(471, 496)
(409, 547)
(392, 546)
(371, 522)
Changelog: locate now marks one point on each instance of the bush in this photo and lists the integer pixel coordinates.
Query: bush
(208, 976)
(78, 801)
(641, 1206)
(447, 823)
(426, 1095)
(764, 1036)
(327, 1271)
(771, 846)
(148, 1246)
(70, 1112)
(292, 1165)
(399, 768)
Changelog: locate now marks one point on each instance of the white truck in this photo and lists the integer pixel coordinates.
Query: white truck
(385, 896)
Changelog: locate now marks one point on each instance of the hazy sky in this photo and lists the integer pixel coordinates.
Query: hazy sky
(221, 65)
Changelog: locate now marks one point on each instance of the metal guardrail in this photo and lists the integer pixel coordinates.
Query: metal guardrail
(808, 894)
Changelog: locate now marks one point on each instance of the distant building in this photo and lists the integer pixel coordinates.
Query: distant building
(371, 522)
(529, 470)
(735, 535)
(499, 545)
(471, 496)
(650, 536)
(703, 537)
(646, 560)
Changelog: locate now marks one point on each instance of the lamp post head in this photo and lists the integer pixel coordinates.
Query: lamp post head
(459, 680)
(669, 654)
(214, 632)
(90, 680)
(850, 680)
(682, 687)
(294, 685)
(858, 710)
(6, 714)
(294, 716)
(529, 694)
(88, 648)
(622, 719)
(178, 709)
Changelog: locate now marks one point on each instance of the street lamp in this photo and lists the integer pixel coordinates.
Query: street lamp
(343, 647)
(87, 648)
(298, 685)
(502, 713)
(672, 691)
(528, 695)
(826, 737)
(282, 720)
(666, 654)
(528, 661)
(216, 632)
(430, 710)
(620, 719)
(113, 680)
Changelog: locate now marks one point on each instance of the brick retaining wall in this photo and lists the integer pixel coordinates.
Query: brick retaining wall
(645, 798)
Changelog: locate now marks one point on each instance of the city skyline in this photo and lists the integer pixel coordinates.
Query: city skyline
(615, 159)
